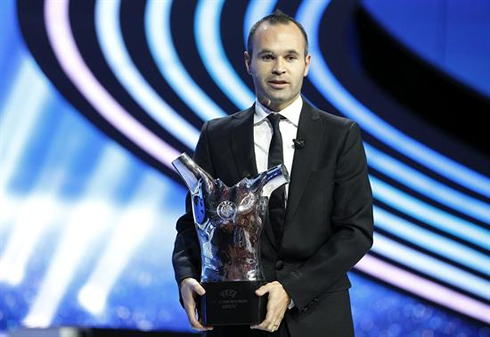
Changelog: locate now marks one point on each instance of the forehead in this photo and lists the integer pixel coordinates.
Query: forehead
(278, 37)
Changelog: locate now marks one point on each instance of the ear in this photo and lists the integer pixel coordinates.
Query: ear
(307, 64)
(247, 59)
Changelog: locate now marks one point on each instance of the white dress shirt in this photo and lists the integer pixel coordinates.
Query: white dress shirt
(263, 134)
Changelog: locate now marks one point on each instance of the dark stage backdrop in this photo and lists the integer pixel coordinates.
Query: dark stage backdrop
(98, 97)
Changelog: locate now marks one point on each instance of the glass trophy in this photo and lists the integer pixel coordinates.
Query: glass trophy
(229, 223)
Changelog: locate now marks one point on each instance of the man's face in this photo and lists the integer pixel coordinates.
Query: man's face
(278, 64)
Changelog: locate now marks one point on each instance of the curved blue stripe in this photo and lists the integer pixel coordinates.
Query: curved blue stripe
(114, 50)
(159, 37)
(427, 186)
(310, 14)
(429, 214)
(207, 32)
(256, 10)
(431, 241)
(383, 193)
(389, 166)
(431, 266)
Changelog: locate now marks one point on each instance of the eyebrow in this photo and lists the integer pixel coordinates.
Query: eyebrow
(267, 51)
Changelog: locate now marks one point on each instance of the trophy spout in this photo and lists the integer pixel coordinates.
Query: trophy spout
(191, 173)
(274, 178)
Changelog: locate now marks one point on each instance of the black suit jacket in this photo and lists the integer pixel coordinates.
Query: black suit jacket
(329, 223)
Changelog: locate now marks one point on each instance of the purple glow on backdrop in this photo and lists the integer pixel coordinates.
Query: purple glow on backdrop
(424, 288)
(61, 38)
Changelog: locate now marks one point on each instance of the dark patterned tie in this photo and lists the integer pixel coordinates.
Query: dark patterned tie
(277, 211)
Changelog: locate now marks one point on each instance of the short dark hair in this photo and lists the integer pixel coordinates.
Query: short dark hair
(277, 17)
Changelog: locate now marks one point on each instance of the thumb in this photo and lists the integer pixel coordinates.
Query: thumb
(262, 290)
(198, 288)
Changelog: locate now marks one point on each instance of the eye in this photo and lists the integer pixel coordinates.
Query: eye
(267, 57)
(291, 57)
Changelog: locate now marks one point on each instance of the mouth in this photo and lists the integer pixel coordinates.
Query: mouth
(278, 84)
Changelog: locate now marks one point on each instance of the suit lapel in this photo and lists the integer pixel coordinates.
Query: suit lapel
(242, 143)
(310, 129)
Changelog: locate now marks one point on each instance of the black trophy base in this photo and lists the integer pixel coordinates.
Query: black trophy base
(232, 303)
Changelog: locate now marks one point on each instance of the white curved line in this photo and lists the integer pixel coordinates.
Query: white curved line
(159, 36)
(66, 51)
(427, 186)
(112, 44)
(207, 27)
(395, 169)
(424, 288)
(310, 13)
(256, 10)
(436, 243)
(430, 215)
(431, 266)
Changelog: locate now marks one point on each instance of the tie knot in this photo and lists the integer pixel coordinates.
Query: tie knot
(274, 119)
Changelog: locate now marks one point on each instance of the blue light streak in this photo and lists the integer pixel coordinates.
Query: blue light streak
(207, 32)
(383, 192)
(310, 14)
(16, 137)
(89, 218)
(17, 133)
(391, 167)
(431, 241)
(427, 186)
(159, 36)
(134, 224)
(256, 10)
(429, 214)
(431, 266)
(114, 50)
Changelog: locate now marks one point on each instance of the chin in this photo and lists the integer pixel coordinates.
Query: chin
(278, 97)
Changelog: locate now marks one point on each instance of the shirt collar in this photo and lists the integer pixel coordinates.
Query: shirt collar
(291, 112)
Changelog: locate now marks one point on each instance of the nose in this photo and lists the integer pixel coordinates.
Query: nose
(278, 68)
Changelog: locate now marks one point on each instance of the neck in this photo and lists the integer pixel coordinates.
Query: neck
(273, 106)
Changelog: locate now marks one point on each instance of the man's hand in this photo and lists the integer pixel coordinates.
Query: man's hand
(276, 306)
(189, 290)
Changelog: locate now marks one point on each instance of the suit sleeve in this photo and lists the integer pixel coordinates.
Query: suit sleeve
(352, 221)
(186, 257)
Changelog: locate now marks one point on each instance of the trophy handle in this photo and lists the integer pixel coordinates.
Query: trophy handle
(274, 178)
(191, 173)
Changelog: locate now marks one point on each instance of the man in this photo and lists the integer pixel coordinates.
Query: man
(327, 223)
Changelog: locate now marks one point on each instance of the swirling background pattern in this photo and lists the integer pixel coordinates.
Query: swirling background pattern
(98, 97)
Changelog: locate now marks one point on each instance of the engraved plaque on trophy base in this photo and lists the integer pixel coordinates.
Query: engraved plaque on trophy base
(232, 303)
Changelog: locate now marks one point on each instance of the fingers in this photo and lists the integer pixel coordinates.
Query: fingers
(263, 289)
(187, 290)
(193, 321)
(189, 287)
(192, 285)
(197, 288)
(272, 320)
(267, 326)
(276, 306)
